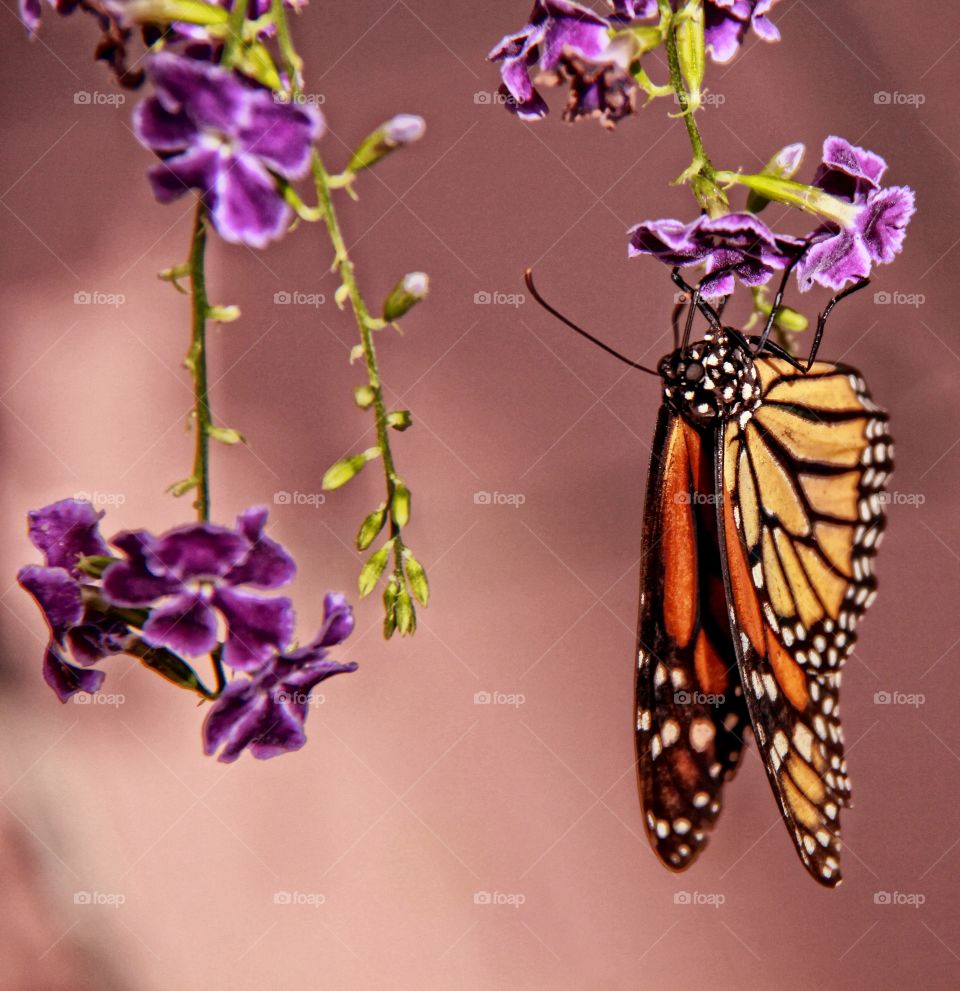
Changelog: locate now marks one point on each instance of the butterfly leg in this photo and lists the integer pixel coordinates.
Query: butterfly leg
(822, 319)
(778, 299)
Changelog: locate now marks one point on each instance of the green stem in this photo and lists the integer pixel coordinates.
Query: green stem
(238, 15)
(197, 363)
(365, 325)
(700, 158)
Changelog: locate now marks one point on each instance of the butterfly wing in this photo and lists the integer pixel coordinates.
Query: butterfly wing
(690, 708)
(802, 514)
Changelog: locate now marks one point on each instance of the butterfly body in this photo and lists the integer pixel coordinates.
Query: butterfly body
(763, 512)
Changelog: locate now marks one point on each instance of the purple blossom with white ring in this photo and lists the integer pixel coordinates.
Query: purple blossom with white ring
(840, 254)
(556, 28)
(266, 712)
(726, 23)
(740, 240)
(227, 139)
(191, 575)
(64, 532)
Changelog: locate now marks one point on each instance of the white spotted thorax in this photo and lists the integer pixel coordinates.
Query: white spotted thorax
(710, 380)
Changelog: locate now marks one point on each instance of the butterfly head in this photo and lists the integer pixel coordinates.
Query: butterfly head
(710, 380)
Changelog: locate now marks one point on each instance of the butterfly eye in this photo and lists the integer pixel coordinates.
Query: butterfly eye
(693, 372)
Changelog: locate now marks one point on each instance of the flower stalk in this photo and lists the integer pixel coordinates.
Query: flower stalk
(196, 362)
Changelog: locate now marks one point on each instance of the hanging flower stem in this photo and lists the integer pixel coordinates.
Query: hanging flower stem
(196, 362)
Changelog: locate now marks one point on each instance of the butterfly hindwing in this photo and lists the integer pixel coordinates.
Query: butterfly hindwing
(802, 480)
(690, 707)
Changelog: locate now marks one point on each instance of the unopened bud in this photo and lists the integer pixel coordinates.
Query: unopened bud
(396, 132)
(408, 291)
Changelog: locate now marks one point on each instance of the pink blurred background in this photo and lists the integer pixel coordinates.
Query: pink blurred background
(412, 799)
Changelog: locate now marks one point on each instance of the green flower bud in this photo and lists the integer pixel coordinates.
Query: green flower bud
(783, 165)
(413, 287)
(396, 132)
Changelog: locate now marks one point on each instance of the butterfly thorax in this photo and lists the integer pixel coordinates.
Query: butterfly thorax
(710, 380)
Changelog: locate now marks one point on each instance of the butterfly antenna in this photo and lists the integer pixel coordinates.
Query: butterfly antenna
(528, 278)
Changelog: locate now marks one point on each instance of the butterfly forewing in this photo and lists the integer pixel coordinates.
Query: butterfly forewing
(802, 482)
(690, 708)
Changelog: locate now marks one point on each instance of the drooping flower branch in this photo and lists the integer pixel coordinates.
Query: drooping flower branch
(227, 120)
(859, 224)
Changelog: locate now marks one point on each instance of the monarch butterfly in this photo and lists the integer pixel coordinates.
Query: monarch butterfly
(763, 511)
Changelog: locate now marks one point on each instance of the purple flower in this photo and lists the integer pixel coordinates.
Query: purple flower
(839, 254)
(740, 240)
(63, 532)
(192, 574)
(267, 711)
(227, 139)
(726, 24)
(557, 28)
(30, 12)
(605, 90)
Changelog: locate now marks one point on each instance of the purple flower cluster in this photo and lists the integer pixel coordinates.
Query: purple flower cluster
(566, 41)
(228, 139)
(193, 590)
(833, 255)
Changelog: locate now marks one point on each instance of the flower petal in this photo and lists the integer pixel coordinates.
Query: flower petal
(160, 129)
(834, 261)
(57, 594)
(200, 550)
(884, 219)
(281, 731)
(139, 580)
(209, 96)
(267, 565)
(67, 680)
(280, 134)
(234, 720)
(257, 628)
(64, 531)
(196, 168)
(247, 207)
(186, 624)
